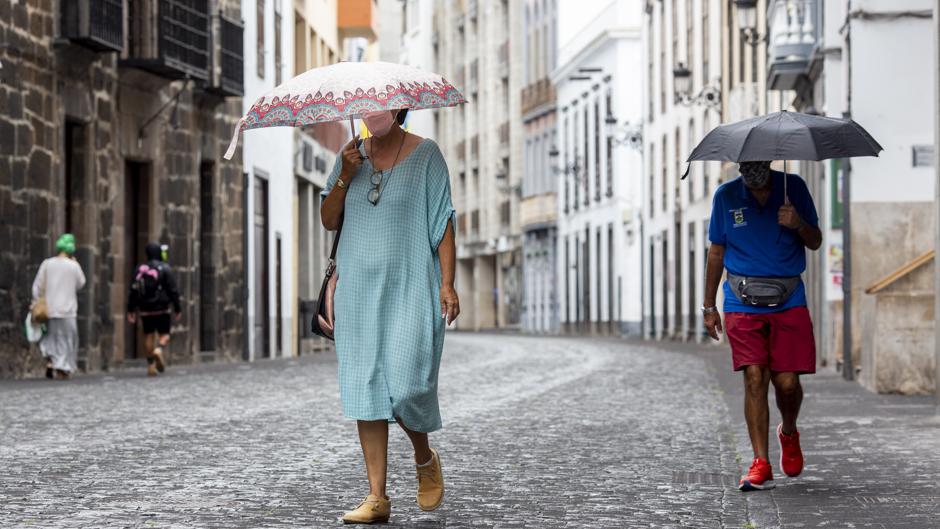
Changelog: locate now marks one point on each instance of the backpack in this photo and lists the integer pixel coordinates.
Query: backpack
(148, 285)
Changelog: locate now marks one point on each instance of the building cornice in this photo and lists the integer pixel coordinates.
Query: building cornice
(607, 36)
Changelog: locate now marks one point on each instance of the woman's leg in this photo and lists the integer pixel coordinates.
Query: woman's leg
(419, 440)
(373, 436)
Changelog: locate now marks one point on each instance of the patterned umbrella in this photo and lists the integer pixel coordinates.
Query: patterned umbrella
(346, 90)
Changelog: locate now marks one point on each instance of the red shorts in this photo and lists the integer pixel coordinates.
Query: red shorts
(781, 340)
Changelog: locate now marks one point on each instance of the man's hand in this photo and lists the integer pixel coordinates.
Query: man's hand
(132, 318)
(788, 217)
(450, 305)
(713, 324)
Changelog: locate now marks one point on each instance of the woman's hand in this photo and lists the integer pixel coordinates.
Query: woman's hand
(352, 160)
(450, 305)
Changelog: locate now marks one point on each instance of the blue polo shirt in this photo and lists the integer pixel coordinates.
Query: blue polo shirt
(755, 244)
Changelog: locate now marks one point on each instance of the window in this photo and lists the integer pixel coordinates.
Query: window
(608, 103)
(597, 150)
(260, 43)
(564, 167)
(688, 34)
(678, 161)
(662, 57)
(277, 42)
(587, 151)
(664, 174)
(690, 143)
(652, 182)
(705, 41)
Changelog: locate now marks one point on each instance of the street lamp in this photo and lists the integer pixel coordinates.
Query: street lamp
(709, 96)
(683, 79)
(747, 21)
(572, 169)
(626, 134)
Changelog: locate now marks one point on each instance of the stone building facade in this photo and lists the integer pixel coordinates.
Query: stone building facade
(113, 129)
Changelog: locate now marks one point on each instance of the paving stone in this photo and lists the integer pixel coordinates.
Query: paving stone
(538, 433)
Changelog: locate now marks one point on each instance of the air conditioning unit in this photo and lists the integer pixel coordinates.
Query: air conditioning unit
(307, 161)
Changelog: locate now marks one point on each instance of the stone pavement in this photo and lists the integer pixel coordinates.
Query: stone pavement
(538, 432)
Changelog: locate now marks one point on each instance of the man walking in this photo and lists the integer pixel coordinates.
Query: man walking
(759, 231)
(152, 292)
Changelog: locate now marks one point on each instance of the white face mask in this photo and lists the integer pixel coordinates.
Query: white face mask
(379, 123)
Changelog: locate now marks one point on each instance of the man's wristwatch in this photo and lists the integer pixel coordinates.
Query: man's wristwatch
(709, 310)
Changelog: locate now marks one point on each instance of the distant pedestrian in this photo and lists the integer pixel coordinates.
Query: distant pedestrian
(153, 293)
(57, 282)
(759, 232)
(394, 295)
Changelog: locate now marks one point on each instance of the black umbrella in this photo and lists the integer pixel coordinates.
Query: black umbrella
(786, 136)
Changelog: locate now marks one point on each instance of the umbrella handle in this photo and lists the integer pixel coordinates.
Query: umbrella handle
(786, 196)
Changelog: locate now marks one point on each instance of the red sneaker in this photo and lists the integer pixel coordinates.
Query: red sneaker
(791, 455)
(759, 477)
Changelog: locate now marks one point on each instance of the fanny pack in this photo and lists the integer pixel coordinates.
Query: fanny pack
(763, 291)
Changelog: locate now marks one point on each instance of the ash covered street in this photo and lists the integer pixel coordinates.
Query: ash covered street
(538, 432)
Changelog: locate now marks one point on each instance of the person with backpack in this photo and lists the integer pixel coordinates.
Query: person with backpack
(153, 292)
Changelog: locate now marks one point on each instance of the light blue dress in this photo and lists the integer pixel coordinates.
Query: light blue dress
(389, 331)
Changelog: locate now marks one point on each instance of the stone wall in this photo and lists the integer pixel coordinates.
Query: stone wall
(53, 95)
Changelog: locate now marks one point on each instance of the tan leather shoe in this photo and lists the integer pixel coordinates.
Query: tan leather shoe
(151, 370)
(431, 484)
(373, 509)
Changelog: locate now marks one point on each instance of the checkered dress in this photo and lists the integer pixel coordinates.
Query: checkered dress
(389, 331)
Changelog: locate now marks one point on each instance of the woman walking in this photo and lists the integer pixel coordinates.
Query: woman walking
(58, 280)
(395, 290)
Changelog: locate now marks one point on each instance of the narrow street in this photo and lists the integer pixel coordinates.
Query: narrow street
(538, 432)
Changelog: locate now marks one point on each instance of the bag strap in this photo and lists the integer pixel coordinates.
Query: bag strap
(336, 240)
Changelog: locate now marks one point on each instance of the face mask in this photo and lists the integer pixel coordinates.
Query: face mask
(755, 174)
(379, 123)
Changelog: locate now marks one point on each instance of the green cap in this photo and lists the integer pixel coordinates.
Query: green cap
(66, 243)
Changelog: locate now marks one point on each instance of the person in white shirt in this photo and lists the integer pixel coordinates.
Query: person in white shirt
(58, 280)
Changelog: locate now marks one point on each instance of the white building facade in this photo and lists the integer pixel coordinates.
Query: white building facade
(418, 42)
(600, 187)
(539, 204)
(268, 157)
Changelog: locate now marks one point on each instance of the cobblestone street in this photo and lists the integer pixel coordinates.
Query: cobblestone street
(538, 432)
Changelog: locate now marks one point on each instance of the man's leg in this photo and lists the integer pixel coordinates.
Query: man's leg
(148, 347)
(756, 410)
(789, 398)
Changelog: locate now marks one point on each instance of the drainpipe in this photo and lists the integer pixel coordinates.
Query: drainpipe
(936, 165)
(848, 370)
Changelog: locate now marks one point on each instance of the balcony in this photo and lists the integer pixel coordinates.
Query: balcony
(793, 37)
(537, 94)
(95, 24)
(229, 76)
(502, 55)
(358, 18)
(169, 38)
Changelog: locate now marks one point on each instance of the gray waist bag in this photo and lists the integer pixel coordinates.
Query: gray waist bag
(763, 291)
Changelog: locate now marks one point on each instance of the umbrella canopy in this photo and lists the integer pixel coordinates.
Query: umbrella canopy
(346, 90)
(786, 136)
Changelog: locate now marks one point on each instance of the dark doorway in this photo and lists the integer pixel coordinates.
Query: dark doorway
(612, 315)
(677, 281)
(136, 232)
(262, 292)
(652, 285)
(692, 285)
(600, 276)
(208, 271)
(666, 281)
(586, 269)
(278, 314)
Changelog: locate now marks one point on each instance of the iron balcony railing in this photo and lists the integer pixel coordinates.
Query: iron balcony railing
(231, 57)
(794, 34)
(96, 24)
(170, 37)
